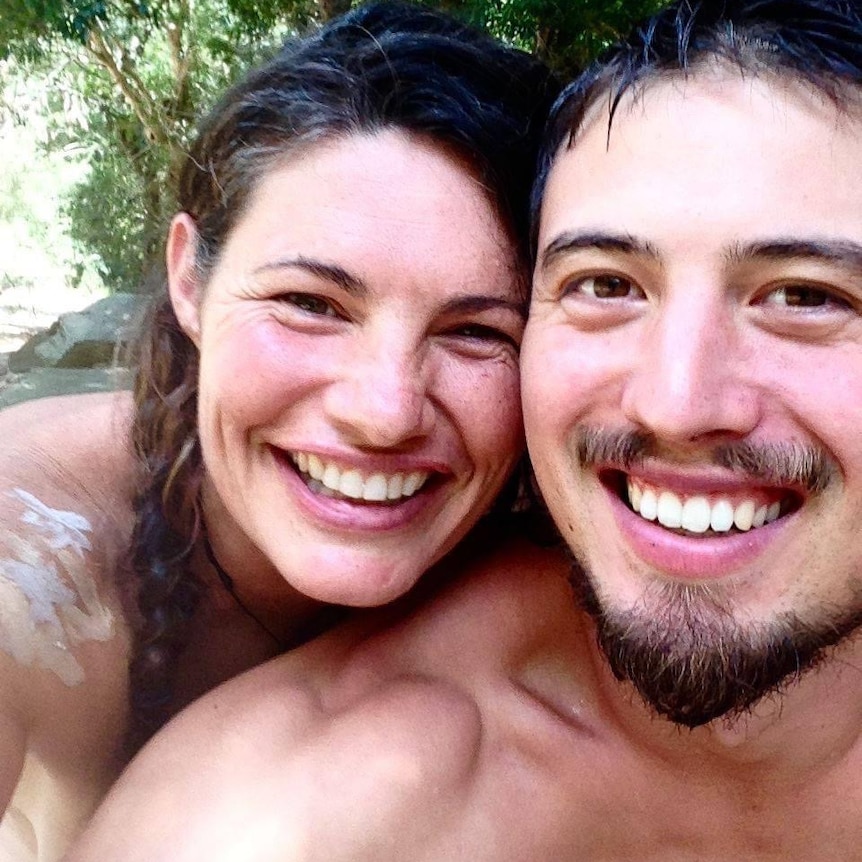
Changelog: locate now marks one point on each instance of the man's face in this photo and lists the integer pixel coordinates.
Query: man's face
(692, 378)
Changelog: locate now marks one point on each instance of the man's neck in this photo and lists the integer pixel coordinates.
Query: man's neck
(813, 724)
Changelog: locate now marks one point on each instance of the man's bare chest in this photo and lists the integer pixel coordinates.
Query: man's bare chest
(618, 807)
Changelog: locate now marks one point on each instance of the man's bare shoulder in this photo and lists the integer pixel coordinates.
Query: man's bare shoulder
(308, 776)
(510, 591)
(373, 733)
(487, 613)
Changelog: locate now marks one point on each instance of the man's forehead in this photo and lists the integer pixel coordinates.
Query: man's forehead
(618, 125)
(607, 109)
(767, 153)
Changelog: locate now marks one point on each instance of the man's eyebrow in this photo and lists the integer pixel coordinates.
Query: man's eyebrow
(321, 269)
(470, 304)
(843, 252)
(570, 241)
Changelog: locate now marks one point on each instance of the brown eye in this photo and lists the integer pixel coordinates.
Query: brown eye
(310, 303)
(804, 296)
(481, 333)
(606, 287)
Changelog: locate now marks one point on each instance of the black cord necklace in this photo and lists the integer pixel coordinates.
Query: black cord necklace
(228, 584)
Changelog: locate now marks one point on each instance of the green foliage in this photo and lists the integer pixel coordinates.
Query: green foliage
(112, 213)
(567, 34)
(129, 77)
(143, 71)
(36, 251)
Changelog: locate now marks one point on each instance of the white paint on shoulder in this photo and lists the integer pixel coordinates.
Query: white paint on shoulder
(49, 599)
(61, 529)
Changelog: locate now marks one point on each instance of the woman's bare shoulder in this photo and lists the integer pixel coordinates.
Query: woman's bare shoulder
(65, 523)
(73, 449)
(65, 516)
(65, 520)
(87, 416)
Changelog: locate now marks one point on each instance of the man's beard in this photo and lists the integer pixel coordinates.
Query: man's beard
(692, 661)
(683, 646)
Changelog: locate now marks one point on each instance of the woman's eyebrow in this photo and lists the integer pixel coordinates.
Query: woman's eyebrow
(321, 269)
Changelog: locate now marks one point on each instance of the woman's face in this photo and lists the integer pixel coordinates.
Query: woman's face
(358, 393)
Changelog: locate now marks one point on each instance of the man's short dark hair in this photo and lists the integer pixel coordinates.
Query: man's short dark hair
(818, 42)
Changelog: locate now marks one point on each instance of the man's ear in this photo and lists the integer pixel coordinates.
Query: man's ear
(183, 280)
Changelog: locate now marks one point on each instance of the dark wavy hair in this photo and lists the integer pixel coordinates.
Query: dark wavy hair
(384, 65)
(818, 42)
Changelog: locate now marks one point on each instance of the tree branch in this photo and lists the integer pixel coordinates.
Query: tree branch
(136, 96)
(181, 56)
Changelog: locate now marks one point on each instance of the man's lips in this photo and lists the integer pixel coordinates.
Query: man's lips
(705, 511)
(692, 555)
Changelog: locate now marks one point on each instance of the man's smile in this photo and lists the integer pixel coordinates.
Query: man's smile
(707, 514)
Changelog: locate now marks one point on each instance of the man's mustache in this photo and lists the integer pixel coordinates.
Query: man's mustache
(810, 467)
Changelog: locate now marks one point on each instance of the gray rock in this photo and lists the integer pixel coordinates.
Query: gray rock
(43, 382)
(91, 338)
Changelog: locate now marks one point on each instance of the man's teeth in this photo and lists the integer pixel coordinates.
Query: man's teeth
(376, 487)
(698, 514)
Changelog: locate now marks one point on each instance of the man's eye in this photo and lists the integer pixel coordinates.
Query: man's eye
(310, 303)
(605, 287)
(804, 296)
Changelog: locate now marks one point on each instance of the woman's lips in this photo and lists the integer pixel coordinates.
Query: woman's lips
(333, 509)
(356, 484)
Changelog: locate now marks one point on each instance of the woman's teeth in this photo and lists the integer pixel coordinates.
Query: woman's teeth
(351, 483)
(699, 514)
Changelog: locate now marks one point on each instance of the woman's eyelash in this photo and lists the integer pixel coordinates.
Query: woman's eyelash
(310, 303)
(484, 332)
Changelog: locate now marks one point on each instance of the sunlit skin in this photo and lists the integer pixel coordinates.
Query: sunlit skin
(367, 310)
(487, 725)
(705, 289)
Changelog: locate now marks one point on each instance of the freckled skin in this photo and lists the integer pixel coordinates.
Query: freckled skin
(386, 376)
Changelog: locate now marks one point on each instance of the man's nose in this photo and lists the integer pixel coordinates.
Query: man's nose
(383, 399)
(691, 381)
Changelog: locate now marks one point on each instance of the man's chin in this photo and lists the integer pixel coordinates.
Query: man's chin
(692, 661)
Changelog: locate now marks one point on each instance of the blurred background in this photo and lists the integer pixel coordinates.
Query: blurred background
(97, 101)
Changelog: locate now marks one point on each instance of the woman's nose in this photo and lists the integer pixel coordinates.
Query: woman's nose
(383, 399)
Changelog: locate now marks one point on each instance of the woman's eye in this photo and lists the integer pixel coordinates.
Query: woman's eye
(804, 296)
(481, 332)
(310, 303)
(481, 341)
(605, 287)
